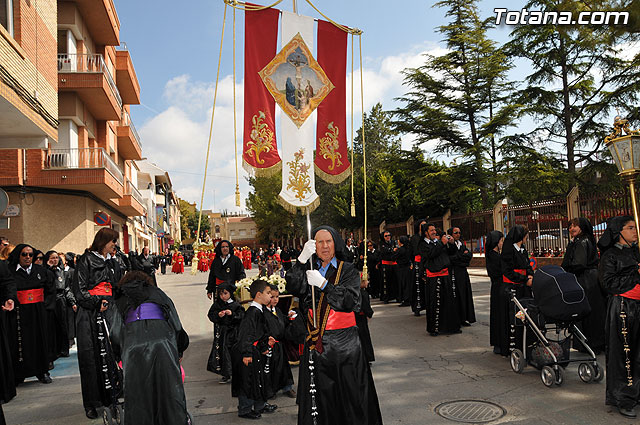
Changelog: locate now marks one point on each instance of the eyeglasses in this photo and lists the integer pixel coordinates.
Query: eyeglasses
(26, 254)
(39, 257)
(456, 233)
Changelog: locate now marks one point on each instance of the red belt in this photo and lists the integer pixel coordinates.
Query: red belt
(31, 296)
(339, 320)
(633, 294)
(389, 263)
(443, 272)
(103, 288)
(219, 281)
(505, 279)
(417, 258)
(286, 261)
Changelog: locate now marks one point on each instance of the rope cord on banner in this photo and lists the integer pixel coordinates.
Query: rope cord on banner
(249, 7)
(235, 126)
(213, 111)
(340, 26)
(353, 200)
(364, 160)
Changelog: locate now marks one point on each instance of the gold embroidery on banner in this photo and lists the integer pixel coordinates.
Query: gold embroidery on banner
(261, 138)
(299, 180)
(329, 146)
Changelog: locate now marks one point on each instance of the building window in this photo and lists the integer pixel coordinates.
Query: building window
(6, 15)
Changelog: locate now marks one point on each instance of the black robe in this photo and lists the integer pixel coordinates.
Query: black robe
(148, 265)
(404, 275)
(28, 324)
(164, 260)
(618, 273)
(225, 335)
(253, 341)
(375, 273)
(232, 271)
(91, 270)
(442, 310)
(389, 283)
(280, 375)
(59, 315)
(499, 305)
(362, 321)
(71, 301)
(345, 391)
(512, 259)
(581, 259)
(7, 292)
(150, 351)
(460, 259)
(418, 289)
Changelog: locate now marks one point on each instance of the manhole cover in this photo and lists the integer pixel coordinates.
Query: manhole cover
(470, 411)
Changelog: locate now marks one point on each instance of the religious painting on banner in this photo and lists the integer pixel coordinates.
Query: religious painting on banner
(296, 81)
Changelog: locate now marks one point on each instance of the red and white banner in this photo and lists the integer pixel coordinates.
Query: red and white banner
(259, 148)
(332, 154)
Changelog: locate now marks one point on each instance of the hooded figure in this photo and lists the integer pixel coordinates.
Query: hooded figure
(581, 259)
(226, 315)
(516, 271)
(27, 324)
(226, 267)
(58, 326)
(147, 335)
(460, 257)
(618, 273)
(333, 358)
(499, 299)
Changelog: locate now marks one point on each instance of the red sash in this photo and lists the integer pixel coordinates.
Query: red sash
(31, 296)
(443, 272)
(417, 258)
(389, 263)
(103, 288)
(523, 272)
(633, 294)
(338, 320)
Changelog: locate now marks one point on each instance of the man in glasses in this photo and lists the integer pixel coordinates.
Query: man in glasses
(226, 267)
(460, 257)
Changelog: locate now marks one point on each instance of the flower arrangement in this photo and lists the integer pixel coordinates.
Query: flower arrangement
(242, 286)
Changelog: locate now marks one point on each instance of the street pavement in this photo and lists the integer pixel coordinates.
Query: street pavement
(413, 372)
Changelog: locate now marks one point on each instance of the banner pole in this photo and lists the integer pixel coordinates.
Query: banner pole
(313, 292)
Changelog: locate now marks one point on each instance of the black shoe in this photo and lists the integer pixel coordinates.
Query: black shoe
(466, 323)
(225, 380)
(629, 413)
(433, 333)
(416, 313)
(290, 394)
(268, 408)
(45, 379)
(91, 412)
(251, 415)
(497, 350)
(51, 365)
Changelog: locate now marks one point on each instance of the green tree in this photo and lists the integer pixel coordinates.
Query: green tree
(189, 221)
(456, 99)
(578, 76)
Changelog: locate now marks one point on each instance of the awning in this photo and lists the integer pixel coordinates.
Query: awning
(144, 236)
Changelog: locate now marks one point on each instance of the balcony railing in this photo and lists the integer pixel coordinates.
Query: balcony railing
(88, 63)
(130, 189)
(126, 120)
(87, 158)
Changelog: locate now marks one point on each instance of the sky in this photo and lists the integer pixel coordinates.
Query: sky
(174, 47)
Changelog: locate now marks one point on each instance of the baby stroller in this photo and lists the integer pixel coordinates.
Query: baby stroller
(558, 303)
(111, 374)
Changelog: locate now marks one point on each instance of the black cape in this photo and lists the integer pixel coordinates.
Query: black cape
(225, 335)
(7, 292)
(362, 321)
(346, 392)
(460, 259)
(253, 340)
(150, 351)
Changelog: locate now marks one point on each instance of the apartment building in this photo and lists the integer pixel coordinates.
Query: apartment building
(67, 141)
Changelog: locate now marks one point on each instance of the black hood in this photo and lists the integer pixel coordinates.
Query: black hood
(14, 257)
(516, 234)
(218, 249)
(70, 257)
(493, 238)
(587, 229)
(612, 232)
(338, 242)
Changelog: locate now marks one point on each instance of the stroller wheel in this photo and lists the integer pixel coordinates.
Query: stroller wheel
(548, 376)
(599, 373)
(559, 375)
(107, 416)
(586, 372)
(516, 359)
(117, 414)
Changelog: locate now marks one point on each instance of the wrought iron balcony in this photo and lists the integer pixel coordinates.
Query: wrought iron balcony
(88, 63)
(86, 158)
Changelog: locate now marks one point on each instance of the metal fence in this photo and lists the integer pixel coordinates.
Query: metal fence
(600, 207)
(474, 228)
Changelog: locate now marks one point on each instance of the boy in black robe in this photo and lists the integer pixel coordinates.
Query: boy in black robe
(226, 314)
(249, 356)
(280, 376)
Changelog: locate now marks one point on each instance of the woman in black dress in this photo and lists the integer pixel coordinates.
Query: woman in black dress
(499, 299)
(581, 259)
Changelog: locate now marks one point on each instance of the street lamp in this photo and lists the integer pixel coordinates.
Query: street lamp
(625, 150)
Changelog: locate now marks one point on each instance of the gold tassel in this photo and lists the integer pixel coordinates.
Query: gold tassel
(353, 207)
(237, 195)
